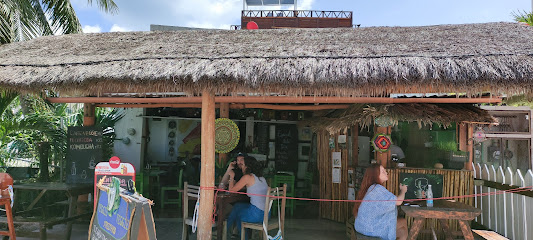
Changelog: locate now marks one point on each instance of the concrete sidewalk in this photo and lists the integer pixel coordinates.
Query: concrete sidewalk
(170, 228)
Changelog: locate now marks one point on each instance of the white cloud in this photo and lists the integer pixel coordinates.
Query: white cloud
(91, 29)
(306, 5)
(117, 28)
(137, 15)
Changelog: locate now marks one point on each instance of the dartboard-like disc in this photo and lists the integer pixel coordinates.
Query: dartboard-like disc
(227, 135)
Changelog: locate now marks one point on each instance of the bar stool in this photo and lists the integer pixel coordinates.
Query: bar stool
(6, 201)
(5, 181)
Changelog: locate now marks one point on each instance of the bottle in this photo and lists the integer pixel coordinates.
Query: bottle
(429, 195)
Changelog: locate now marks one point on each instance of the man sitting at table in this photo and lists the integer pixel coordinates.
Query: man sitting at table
(256, 186)
(234, 168)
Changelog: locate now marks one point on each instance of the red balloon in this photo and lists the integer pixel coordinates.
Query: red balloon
(252, 25)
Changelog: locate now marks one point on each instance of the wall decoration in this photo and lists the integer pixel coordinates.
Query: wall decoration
(336, 159)
(336, 175)
(304, 150)
(332, 143)
(305, 134)
(351, 178)
(226, 135)
(381, 142)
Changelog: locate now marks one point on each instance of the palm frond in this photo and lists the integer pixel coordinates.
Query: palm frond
(107, 6)
(62, 16)
(524, 17)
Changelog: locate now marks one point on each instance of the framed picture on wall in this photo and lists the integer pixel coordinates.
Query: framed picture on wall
(304, 150)
(305, 134)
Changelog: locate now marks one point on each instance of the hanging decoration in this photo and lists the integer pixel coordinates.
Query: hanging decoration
(227, 135)
(381, 142)
(383, 121)
(479, 135)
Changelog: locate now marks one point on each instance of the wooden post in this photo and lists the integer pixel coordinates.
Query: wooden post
(44, 152)
(207, 175)
(89, 115)
(470, 147)
(224, 113)
(383, 158)
(355, 146)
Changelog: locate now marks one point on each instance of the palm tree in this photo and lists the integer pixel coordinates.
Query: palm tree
(26, 19)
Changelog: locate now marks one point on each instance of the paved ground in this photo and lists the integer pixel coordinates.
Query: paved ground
(170, 228)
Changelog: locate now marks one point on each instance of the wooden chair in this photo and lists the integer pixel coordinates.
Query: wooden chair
(5, 181)
(279, 180)
(173, 188)
(273, 223)
(190, 192)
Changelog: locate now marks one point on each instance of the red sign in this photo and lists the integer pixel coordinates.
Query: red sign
(252, 25)
(114, 162)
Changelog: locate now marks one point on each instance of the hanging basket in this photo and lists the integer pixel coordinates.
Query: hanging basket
(227, 135)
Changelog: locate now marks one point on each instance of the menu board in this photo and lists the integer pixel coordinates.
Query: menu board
(286, 147)
(417, 184)
(84, 151)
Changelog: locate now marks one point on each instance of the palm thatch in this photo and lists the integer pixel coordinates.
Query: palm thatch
(374, 61)
(423, 114)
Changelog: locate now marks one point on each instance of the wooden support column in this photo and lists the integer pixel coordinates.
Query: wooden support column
(207, 175)
(355, 146)
(89, 114)
(383, 158)
(224, 113)
(470, 146)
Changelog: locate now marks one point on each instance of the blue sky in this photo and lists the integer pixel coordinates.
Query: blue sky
(137, 15)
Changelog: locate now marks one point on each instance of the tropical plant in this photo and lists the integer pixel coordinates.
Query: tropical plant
(524, 17)
(26, 19)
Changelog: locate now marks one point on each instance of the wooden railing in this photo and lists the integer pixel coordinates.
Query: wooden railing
(509, 214)
(296, 13)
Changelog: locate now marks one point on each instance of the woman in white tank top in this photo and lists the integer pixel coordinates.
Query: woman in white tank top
(255, 183)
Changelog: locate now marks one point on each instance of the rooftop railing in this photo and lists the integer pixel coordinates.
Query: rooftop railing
(296, 13)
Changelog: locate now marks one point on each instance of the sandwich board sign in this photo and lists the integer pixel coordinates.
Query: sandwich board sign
(121, 215)
(125, 172)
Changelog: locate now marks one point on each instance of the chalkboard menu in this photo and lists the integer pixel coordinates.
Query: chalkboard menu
(417, 184)
(286, 147)
(84, 151)
(262, 137)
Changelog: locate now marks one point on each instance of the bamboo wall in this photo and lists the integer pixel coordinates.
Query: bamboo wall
(336, 211)
(455, 183)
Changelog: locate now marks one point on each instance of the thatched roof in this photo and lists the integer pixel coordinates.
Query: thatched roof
(424, 114)
(372, 61)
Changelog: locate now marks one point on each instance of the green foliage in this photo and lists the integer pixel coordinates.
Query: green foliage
(22, 20)
(524, 17)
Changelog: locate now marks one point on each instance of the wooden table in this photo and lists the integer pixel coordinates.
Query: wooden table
(72, 191)
(442, 210)
(223, 200)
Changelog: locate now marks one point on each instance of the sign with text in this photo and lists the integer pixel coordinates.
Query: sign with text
(114, 223)
(119, 215)
(84, 151)
(114, 168)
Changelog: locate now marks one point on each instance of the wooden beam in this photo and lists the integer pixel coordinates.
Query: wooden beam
(207, 174)
(152, 105)
(470, 146)
(89, 114)
(232, 106)
(273, 99)
(224, 113)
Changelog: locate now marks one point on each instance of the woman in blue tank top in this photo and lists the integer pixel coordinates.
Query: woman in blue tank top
(255, 183)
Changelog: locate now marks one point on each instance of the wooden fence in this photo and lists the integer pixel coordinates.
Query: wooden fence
(509, 214)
